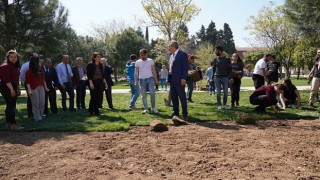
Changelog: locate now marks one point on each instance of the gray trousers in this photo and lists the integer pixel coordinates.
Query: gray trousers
(38, 101)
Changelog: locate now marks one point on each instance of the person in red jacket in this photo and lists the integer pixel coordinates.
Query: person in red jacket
(36, 84)
(9, 88)
(266, 96)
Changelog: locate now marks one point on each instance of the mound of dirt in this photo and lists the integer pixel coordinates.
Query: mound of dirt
(210, 150)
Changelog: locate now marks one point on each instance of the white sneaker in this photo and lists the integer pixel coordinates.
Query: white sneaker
(219, 107)
(154, 110)
(146, 111)
(226, 107)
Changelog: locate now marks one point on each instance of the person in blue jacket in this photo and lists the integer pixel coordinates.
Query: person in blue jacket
(135, 90)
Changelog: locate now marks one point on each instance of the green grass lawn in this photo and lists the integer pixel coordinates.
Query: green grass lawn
(247, 82)
(204, 109)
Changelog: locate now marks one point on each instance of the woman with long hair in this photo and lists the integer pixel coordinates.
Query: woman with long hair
(9, 75)
(97, 83)
(237, 73)
(36, 84)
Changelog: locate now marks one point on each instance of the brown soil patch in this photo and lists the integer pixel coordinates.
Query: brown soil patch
(217, 150)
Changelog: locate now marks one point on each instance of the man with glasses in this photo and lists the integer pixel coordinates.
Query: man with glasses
(315, 83)
(145, 74)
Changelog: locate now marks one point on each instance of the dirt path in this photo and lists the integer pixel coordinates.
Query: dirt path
(221, 150)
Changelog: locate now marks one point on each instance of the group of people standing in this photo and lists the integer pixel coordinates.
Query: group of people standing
(41, 80)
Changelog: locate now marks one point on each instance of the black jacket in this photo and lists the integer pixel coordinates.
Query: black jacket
(91, 68)
(51, 77)
(107, 75)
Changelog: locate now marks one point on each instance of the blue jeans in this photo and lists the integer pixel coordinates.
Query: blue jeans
(222, 81)
(190, 89)
(144, 83)
(163, 82)
(212, 87)
(135, 92)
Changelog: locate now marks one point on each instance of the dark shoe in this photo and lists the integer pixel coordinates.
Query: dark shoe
(232, 105)
(72, 110)
(237, 104)
(91, 114)
(190, 101)
(64, 109)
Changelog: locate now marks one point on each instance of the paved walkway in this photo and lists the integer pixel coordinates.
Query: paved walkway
(121, 91)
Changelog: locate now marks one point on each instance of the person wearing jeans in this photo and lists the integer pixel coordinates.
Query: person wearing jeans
(222, 67)
(135, 90)
(145, 74)
(163, 77)
(209, 73)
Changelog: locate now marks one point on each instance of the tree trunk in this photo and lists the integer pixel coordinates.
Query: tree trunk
(115, 74)
(298, 74)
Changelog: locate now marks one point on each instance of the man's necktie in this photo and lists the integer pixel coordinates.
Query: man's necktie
(67, 70)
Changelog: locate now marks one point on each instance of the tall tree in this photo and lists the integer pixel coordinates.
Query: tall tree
(126, 43)
(228, 41)
(168, 15)
(212, 34)
(147, 34)
(201, 35)
(182, 35)
(272, 29)
(304, 14)
(39, 25)
(140, 32)
(205, 55)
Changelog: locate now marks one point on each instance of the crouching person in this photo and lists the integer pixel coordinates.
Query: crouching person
(265, 96)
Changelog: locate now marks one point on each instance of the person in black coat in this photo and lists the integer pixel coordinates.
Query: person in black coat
(52, 83)
(97, 83)
(107, 70)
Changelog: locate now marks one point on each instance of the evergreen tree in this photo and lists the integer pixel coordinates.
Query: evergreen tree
(220, 39)
(37, 25)
(147, 34)
(212, 34)
(182, 35)
(201, 35)
(228, 41)
(139, 32)
(305, 15)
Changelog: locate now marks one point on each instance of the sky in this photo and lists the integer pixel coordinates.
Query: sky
(83, 14)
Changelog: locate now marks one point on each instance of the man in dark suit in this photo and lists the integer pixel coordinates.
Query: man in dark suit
(79, 82)
(178, 72)
(52, 82)
(107, 71)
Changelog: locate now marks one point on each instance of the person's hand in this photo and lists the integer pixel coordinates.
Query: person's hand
(106, 86)
(136, 83)
(46, 89)
(13, 93)
(91, 86)
(183, 82)
(30, 92)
